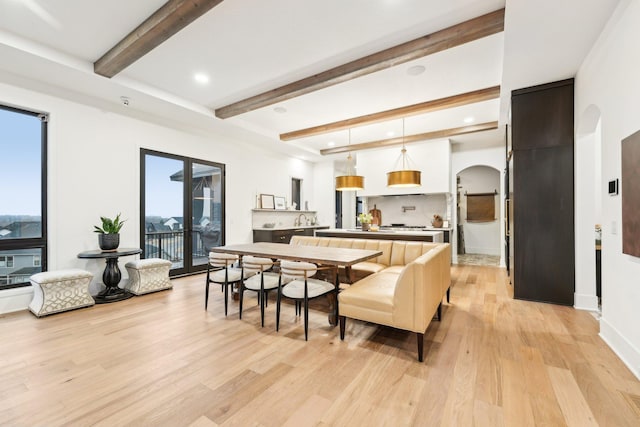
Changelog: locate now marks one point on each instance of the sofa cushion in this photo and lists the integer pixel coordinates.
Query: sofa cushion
(395, 269)
(368, 267)
(374, 292)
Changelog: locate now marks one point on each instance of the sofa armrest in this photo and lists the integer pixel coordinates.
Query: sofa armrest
(420, 289)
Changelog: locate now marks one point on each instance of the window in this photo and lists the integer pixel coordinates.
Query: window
(6, 261)
(23, 231)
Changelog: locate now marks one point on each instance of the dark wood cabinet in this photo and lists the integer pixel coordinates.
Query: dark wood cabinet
(542, 204)
(281, 235)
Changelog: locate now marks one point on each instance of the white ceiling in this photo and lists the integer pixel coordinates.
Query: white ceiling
(247, 47)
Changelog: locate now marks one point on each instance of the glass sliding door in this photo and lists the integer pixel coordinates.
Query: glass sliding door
(182, 209)
(206, 202)
(163, 209)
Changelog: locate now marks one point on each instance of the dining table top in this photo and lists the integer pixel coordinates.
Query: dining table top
(324, 255)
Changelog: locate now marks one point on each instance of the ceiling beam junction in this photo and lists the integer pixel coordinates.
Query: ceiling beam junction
(442, 133)
(447, 38)
(173, 16)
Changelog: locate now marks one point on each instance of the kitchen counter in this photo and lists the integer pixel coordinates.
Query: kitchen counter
(414, 235)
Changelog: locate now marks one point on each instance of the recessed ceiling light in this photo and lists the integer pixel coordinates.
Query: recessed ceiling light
(469, 119)
(331, 143)
(280, 110)
(416, 70)
(201, 78)
(391, 133)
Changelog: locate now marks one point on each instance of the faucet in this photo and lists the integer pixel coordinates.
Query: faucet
(298, 222)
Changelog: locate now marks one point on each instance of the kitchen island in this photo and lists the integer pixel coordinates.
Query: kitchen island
(413, 235)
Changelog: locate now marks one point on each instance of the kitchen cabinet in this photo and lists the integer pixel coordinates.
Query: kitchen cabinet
(542, 240)
(282, 235)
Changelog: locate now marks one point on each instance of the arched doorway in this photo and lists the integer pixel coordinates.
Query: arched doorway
(478, 213)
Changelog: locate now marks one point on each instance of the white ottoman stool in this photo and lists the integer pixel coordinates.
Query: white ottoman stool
(62, 290)
(148, 275)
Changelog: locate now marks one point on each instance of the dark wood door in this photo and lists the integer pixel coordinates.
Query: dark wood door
(544, 234)
(542, 238)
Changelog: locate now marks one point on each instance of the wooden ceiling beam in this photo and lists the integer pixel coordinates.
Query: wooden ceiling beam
(397, 113)
(447, 38)
(442, 133)
(173, 16)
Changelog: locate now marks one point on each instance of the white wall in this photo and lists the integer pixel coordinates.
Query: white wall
(432, 158)
(94, 170)
(461, 159)
(608, 79)
(480, 237)
(426, 205)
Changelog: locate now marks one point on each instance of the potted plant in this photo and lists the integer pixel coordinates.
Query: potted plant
(109, 237)
(365, 219)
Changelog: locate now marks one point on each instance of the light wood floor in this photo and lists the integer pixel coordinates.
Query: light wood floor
(162, 360)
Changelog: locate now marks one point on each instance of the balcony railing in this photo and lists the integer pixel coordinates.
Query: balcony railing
(169, 245)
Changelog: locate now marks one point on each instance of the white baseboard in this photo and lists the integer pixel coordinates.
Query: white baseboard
(482, 250)
(629, 355)
(585, 302)
(15, 299)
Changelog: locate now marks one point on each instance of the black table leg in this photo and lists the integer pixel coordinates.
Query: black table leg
(111, 278)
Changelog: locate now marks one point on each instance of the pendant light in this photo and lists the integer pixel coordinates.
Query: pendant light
(350, 181)
(405, 177)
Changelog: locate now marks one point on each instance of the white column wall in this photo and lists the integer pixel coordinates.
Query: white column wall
(94, 170)
(608, 80)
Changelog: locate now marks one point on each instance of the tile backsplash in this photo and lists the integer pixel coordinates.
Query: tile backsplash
(412, 210)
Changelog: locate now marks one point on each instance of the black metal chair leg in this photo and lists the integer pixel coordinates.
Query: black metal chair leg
(448, 293)
(279, 297)
(226, 299)
(343, 323)
(241, 297)
(206, 290)
(306, 319)
(420, 346)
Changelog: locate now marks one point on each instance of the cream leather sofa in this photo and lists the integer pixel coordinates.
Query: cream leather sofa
(405, 288)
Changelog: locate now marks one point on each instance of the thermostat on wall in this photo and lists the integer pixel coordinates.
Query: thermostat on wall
(613, 187)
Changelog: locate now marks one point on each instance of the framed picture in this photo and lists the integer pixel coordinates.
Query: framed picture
(280, 202)
(266, 201)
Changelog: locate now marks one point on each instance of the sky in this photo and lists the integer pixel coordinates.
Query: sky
(20, 163)
(163, 196)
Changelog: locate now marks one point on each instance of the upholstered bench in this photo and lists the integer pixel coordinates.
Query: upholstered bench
(62, 290)
(148, 275)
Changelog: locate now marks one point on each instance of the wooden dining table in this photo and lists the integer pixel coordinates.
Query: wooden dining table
(321, 255)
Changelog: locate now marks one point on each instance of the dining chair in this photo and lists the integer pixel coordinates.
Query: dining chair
(221, 270)
(301, 288)
(261, 281)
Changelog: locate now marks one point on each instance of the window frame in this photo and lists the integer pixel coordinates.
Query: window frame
(33, 242)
